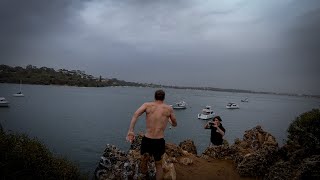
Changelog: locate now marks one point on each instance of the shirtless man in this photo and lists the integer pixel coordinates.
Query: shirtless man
(158, 114)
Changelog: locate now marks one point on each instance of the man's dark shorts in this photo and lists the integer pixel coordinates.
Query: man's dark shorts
(155, 147)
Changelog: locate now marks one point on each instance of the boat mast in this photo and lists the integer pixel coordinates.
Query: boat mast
(20, 85)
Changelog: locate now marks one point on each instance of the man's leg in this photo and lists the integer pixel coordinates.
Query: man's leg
(144, 163)
(159, 173)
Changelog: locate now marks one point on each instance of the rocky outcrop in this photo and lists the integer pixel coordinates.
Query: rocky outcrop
(173, 150)
(117, 164)
(256, 155)
(188, 145)
(253, 155)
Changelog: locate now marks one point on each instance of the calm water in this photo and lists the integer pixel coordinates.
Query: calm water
(77, 123)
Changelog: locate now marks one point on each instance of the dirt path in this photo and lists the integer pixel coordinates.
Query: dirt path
(202, 169)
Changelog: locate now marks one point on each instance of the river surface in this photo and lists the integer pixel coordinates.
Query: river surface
(77, 123)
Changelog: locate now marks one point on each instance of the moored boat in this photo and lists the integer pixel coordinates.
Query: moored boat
(4, 102)
(19, 94)
(232, 106)
(207, 113)
(180, 105)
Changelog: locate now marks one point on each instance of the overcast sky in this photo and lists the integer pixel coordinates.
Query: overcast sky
(264, 45)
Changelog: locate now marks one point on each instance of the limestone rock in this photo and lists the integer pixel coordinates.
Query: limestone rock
(219, 152)
(186, 161)
(169, 172)
(256, 153)
(137, 142)
(173, 150)
(117, 164)
(188, 145)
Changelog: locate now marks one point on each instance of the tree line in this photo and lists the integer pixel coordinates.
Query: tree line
(49, 76)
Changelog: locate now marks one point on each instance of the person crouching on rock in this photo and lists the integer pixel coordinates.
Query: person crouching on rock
(158, 114)
(217, 131)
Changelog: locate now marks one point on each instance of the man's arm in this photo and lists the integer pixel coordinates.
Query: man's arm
(172, 120)
(139, 112)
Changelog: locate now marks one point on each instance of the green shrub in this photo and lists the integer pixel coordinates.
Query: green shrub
(304, 132)
(24, 158)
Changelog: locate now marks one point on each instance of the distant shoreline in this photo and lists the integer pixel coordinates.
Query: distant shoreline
(243, 91)
(187, 88)
(62, 77)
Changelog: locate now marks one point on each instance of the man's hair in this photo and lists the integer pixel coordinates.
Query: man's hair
(159, 95)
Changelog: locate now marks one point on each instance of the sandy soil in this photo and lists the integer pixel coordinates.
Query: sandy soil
(202, 169)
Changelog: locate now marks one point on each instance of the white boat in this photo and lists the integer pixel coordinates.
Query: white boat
(245, 100)
(4, 102)
(207, 113)
(180, 105)
(232, 106)
(19, 94)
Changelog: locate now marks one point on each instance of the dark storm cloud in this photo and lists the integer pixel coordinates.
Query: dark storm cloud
(32, 16)
(303, 43)
(25, 22)
(235, 7)
(258, 45)
(304, 35)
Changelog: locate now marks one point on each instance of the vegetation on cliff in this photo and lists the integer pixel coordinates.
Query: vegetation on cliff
(299, 158)
(304, 132)
(24, 158)
(47, 76)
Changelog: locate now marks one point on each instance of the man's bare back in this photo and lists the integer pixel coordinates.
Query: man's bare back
(157, 116)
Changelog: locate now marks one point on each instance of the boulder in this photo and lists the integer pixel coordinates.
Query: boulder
(186, 161)
(219, 152)
(256, 153)
(188, 145)
(173, 150)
